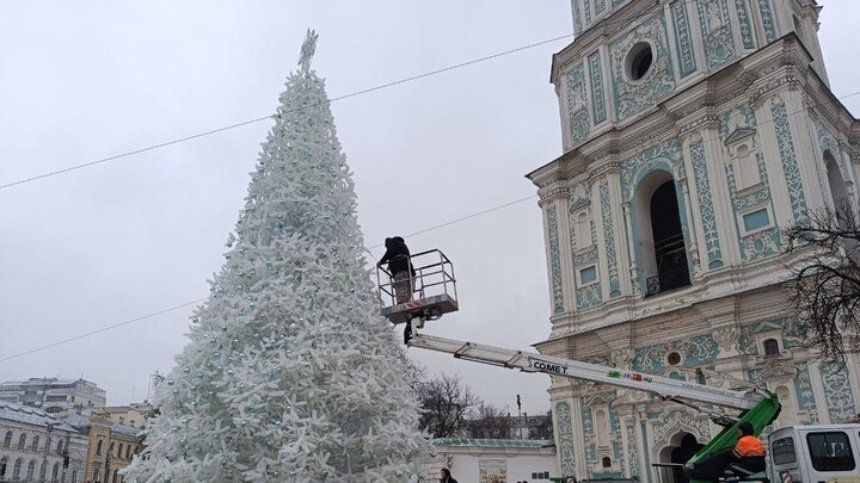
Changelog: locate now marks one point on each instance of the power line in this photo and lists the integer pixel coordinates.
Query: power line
(419, 232)
(263, 118)
(99, 331)
(193, 302)
(432, 228)
(464, 218)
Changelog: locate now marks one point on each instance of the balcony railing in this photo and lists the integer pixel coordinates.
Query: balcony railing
(667, 280)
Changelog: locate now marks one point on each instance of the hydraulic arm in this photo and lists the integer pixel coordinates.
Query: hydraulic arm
(760, 409)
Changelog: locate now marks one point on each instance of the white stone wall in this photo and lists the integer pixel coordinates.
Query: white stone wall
(45, 453)
(741, 132)
(465, 464)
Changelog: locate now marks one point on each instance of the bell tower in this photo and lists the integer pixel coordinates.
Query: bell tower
(694, 132)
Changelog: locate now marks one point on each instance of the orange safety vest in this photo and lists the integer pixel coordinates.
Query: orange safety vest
(749, 446)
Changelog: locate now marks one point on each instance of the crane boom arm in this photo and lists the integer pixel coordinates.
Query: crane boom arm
(664, 387)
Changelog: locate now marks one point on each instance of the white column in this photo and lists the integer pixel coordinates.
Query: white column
(818, 392)
(622, 254)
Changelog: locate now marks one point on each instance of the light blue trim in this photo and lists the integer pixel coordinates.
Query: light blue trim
(683, 38)
(756, 219)
(609, 240)
(598, 103)
(555, 260)
(706, 205)
(588, 275)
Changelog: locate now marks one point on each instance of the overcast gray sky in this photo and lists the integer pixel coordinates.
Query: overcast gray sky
(80, 81)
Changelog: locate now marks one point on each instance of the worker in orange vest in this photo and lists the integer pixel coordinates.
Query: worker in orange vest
(749, 453)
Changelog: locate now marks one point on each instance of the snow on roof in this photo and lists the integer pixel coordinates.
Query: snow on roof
(495, 443)
(78, 421)
(41, 381)
(31, 415)
(123, 429)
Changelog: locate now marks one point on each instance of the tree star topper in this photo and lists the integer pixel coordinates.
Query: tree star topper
(308, 49)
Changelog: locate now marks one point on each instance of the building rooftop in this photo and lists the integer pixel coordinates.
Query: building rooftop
(31, 415)
(494, 443)
(81, 421)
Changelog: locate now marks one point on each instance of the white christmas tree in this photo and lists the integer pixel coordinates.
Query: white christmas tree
(290, 375)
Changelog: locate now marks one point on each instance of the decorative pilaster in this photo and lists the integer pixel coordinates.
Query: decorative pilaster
(564, 437)
(776, 172)
(798, 138)
(607, 239)
(683, 38)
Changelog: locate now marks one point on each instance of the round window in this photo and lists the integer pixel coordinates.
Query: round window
(673, 358)
(639, 60)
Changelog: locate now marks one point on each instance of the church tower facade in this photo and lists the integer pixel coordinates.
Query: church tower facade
(694, 131)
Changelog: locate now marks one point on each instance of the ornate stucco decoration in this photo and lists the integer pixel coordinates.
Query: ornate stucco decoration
(727, 340)
(638, 96)
(778, 372)
(726, 381)
(580, 196)
(672, 421)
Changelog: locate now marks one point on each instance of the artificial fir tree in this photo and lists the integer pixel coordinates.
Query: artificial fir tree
(290, 374)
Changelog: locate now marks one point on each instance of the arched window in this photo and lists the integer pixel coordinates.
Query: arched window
(115, 476)
(35, 445)
(127, 452)
(745, 167)
(582, 230)
(662, 251)
(75, 476)
(4, 461)
(31, 470)
(60, 447)
(7, 440)
(119, 451)
(55, 473)
(100, 447)
(16, 470)
(771, 347)
(22, 441)
(111, 448)
(43, 470)
(606, 462)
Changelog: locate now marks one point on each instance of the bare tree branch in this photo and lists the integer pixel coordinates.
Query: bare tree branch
(826, 281)
(446, 404)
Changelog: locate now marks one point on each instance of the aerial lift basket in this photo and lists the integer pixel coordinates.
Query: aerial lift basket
(433, 289)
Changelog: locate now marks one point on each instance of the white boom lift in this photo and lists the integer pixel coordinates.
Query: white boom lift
(670, 389)
(435, 286)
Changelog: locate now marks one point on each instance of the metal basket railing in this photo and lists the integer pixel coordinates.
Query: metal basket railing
(433, 276)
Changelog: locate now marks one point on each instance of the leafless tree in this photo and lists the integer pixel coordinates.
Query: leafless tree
(489, 422)
(446, 403)
(544, 429)
(826, 281)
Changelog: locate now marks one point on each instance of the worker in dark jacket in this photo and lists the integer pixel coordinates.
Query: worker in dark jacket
(446, 476)
(397, 257)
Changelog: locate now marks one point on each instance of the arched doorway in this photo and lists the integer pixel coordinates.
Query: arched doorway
(662, 248)
(681, 448)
